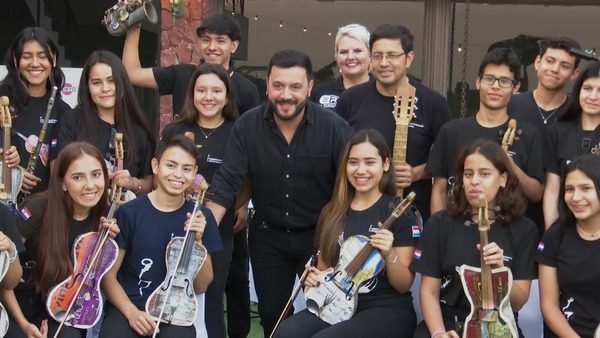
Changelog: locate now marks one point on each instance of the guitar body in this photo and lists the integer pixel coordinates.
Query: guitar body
(488, 323)
(87, 304)
(335, 299)
(4, 265)
(176, 293)
(9, 198)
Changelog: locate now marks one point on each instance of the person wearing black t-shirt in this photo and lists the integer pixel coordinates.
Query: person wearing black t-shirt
(498, 79)
(49, 223)
(352, 57)
(576, 132)
(555, 68)
(108, 106)
(32, 71)
(371, 105)
(451, 238)
(569, 252)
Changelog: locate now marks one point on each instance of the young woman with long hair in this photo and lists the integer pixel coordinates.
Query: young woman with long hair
(49, 223)
(32, 70)
(106, 106)
(451, 238)
(363, 198)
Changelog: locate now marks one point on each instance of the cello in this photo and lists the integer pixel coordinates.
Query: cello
(77, 301)
(488, 291)
(335, 297)
(174, 300)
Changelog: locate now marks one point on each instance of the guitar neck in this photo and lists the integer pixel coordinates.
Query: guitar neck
(487, 290)
(400, 146)
(6, 176)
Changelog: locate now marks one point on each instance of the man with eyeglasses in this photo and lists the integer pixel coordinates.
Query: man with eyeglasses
(371, 105)
(498, 80)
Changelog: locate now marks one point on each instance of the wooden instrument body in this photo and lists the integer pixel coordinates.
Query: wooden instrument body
(404, 105)
(84, 293)
(488, 291)
(334, 300)
(11, 179)
(176, 293)
(4, 265)
(498, 322)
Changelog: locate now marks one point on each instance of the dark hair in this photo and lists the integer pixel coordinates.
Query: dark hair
(127, 111)
(289, 58)
(573, 109)
(176, 140)
(332, 219)
(394, 32)
(14, 85)
(220, 24)
(510, 198)
(589, 164)
(189, 113)
(53, 261)
(502, 56)
(564, 43)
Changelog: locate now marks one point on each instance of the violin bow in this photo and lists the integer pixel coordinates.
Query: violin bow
(312, 261)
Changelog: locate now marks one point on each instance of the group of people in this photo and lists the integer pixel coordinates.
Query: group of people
(319, 164)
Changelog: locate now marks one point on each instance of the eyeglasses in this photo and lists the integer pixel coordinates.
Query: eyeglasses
(390, 57)
(503, 82)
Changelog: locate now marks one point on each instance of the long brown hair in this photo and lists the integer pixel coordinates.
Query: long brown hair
(510, 199)
(53, 260)
(333, 216)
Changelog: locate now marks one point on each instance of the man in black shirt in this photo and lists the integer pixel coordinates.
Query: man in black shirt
(218, 38)
(289, 149)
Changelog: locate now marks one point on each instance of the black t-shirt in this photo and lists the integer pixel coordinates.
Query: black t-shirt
(565, 141)
(71, 128)
(377, 292)
(524, 108)
(526, 151)
(9, 228)
(447, 243)
(174, 80)
(364, 107)
(210, 156)
(576, 261)
(27, 122)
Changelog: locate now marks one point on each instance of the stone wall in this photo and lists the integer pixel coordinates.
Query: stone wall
(178, 41)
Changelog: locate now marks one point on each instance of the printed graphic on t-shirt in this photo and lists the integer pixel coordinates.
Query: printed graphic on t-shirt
(568, 314)
(328, 101)
(144, 284)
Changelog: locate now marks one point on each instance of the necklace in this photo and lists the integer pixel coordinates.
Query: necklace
(545, 119)
(587, 233)
(212, 131)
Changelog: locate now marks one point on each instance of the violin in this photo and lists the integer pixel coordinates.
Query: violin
(33, 158)
(488, 291)
(11, 179)
(77, 301)
(174, 301)
(4, 265)
(334, 300)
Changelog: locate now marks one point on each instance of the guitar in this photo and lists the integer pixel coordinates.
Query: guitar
(404, 105)
(128, 195)
(77, 301)
(509, 135)
(174, 301)
(11, 179)
(334, 300)
(488, 291)
(4, 265)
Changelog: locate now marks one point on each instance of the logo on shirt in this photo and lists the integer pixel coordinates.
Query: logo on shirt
(417, 254)
(373, 228)
(328, 101)
(213, 160)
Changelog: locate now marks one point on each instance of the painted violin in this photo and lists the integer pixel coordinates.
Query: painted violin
(77, 301)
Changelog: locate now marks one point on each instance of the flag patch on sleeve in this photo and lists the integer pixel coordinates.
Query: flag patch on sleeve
(541, 247)
(53, 142)
(25, 213)
(416, 231)
(417, 254)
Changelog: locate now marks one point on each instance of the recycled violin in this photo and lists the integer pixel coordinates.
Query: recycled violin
(488, 291)
(11, 179)
(335, 298)
(77, 301)
(174, 301)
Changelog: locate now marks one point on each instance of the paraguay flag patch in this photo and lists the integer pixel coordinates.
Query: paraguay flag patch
(53, 142)
(25, 213)
(417, 254)
(541, 247)
(416, 231)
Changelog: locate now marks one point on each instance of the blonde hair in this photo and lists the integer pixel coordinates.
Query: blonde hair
(354, 30)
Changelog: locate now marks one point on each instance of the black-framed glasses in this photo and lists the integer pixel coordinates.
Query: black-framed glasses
(390, 56)
(503, 82)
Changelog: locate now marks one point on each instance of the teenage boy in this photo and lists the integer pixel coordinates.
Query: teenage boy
(148, 224)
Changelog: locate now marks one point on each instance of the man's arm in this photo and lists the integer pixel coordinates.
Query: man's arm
(532, 188)
(131, 59)
(550, 201)
(439, 194)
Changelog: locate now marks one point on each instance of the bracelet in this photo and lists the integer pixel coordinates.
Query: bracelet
(437, 333)
(14, 255)
(139, 185)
